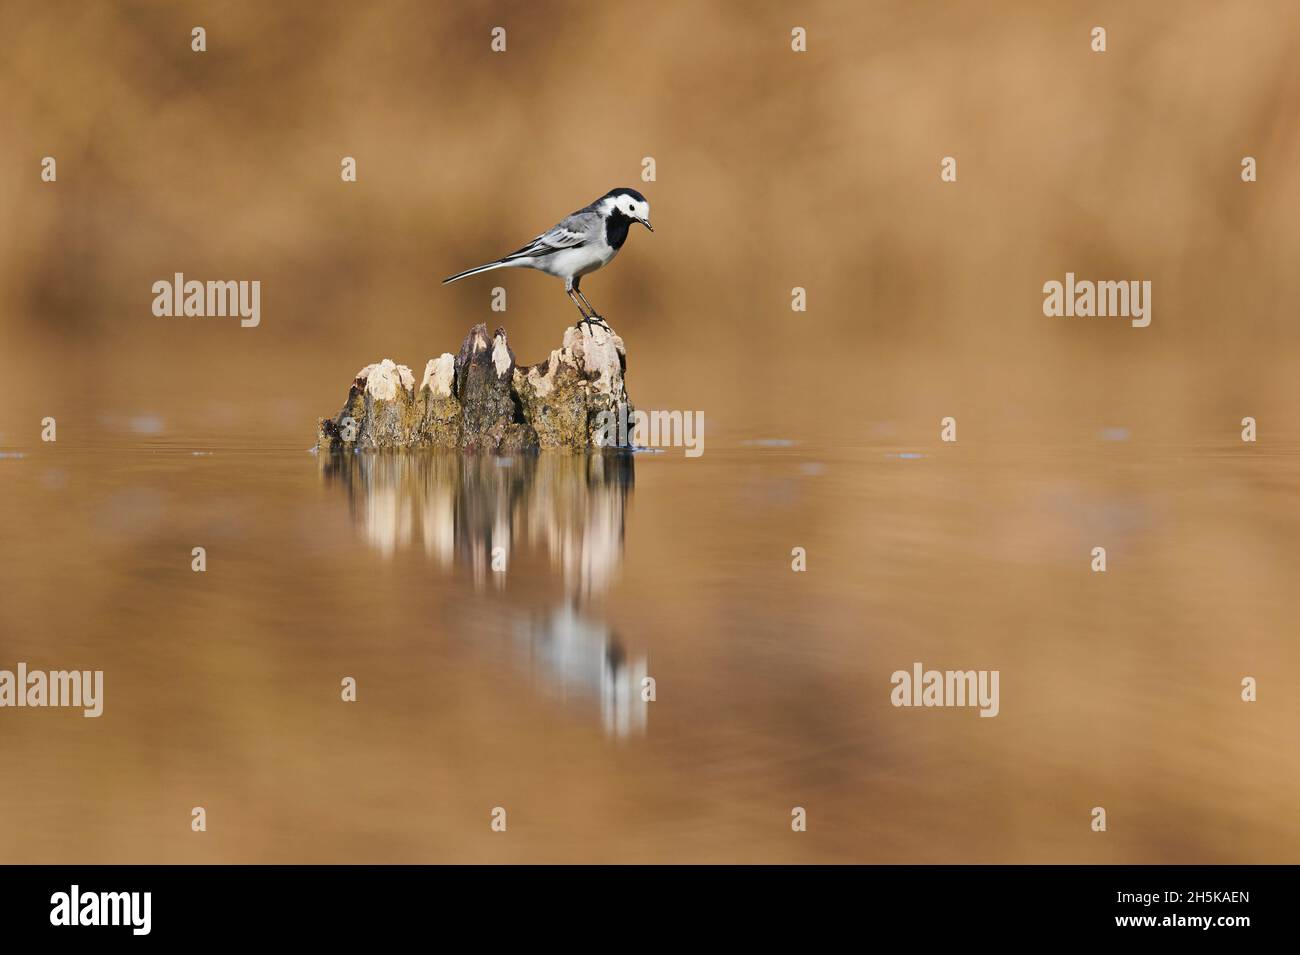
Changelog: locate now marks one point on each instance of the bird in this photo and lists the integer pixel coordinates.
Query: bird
(577, 245)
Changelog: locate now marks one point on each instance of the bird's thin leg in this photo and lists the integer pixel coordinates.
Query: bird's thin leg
(573, 298)
(590, 308)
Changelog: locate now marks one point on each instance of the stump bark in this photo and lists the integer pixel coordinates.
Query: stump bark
(480, 400)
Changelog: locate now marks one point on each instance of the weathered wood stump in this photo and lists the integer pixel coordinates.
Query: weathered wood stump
(480, 400)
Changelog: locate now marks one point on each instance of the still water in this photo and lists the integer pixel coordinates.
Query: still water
(500, 618)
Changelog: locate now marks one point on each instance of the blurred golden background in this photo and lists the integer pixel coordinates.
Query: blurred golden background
(774, 170)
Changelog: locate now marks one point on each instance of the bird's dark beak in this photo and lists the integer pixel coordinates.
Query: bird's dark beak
(646, 223)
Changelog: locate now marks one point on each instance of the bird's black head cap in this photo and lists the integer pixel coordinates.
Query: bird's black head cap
(624, 191)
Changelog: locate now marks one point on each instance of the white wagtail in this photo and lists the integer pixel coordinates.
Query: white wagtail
(578, 244)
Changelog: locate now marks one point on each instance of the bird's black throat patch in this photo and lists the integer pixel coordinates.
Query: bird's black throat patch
(616, 226)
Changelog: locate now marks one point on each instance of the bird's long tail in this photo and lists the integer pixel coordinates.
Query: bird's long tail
(499, 264)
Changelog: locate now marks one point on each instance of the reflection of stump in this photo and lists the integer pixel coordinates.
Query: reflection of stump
(567, 509)
(480, 399)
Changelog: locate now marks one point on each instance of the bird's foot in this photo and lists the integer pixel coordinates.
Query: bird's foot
(594, 319)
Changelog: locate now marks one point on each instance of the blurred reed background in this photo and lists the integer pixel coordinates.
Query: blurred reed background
(774, 170)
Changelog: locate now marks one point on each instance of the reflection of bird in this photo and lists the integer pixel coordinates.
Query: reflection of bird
(581, 243)
(578, 656)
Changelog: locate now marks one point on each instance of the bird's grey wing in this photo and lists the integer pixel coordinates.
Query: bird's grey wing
(570, 233)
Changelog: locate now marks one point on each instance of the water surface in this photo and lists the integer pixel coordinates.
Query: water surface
(520, 686)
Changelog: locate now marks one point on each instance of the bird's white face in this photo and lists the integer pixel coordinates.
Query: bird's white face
(636, 211)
